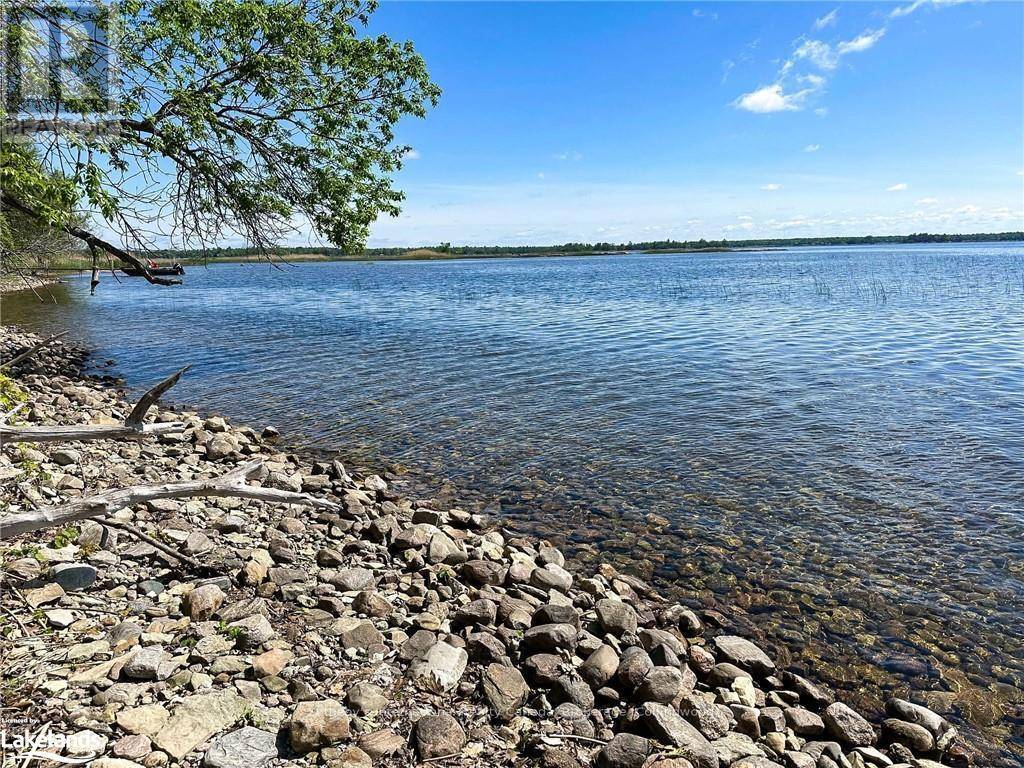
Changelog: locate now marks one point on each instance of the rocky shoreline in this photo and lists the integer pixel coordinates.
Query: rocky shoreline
(389, 632)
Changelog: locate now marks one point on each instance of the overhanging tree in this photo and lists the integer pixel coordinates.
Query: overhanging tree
(249, 118)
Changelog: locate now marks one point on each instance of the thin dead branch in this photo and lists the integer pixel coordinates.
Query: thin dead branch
(234, 483)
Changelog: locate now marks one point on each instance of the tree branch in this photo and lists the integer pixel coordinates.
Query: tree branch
(31, 351)
(234, 483)
(90, 239)
(133, 427)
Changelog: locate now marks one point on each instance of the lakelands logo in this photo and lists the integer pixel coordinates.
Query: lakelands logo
(22, 748)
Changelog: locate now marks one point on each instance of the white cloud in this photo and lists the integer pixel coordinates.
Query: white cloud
(896, 187)
(818, 53)
(411, 154)
(906, 10)
(969, 209)
(771, 187)
(770, 98)
(812, 147)
(540, 174)
(862, 42)
(928, 201)
(570, 155)
(700, 14)
(828, 20)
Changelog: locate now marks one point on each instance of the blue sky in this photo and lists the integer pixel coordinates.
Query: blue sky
(634, 121)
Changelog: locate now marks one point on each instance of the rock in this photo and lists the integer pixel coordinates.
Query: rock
(438, 735)
(440, 669)
(59, 618)
(351, 757)
(253, 631)
(113, 762)
(48, 593)
(901, 709)
(744, 654)
(809, 692)
(372, 604)
(366, 698)
(475, 613)
(317, 724)
(381, 743)
(803, 722)
(151, 663)
(915, 737)
(847, 726)
(633, 668)
(734, 747)
(133, 747)
(505, 689)
(661, 685)
(74, 576)
(543, 669)
(616, 617)
(483, 572)
(550, 637)
(666, 724)
(551, 577)
(709, 718)
(600, 666)
(202, 602)
(271, 662)
(146, 720)
(247, 747)
(197, 718)
(353, 579)
(356, 633)
(625, 750)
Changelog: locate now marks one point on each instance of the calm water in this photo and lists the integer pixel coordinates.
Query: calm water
(834, 437)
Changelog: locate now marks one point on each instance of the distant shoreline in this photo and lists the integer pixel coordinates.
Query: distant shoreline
(310, 254)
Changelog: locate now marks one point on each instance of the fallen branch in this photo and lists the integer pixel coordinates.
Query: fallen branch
(141, 536)
(133, 427)
(31, 351)
(234, 483)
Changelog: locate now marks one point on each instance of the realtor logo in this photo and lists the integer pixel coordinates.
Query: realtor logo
(58, 59)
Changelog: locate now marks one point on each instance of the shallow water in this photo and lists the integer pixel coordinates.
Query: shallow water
(834, 437)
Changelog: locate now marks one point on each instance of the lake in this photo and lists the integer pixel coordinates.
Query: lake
(825, 445)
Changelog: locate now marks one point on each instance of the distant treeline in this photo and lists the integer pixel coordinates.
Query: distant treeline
(447, 250)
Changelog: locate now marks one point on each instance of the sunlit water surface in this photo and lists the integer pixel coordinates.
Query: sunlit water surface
(835, 437)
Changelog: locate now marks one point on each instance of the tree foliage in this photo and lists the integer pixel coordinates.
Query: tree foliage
(245, 118)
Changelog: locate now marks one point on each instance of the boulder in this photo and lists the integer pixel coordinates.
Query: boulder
(199, 717)
(440, 669)
(317, 724)
(744, 654)
(848, 726)
(669, 728)
(505, 690)
(247, 747)
(438, 735)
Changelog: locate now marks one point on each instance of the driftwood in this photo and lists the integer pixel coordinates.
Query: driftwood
(234, 483)
(31, 351)
(133, 427)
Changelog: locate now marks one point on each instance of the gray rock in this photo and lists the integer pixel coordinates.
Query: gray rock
(848, 726)
(354, 579)
(475, 613)
(483, 572)
(902, 709)
(551, 577)
(550, 637)
(253, 631)
(744, 654)
(505, 690)
(616, 617)
(440, 669)
(803, 722)
(438, 735)
(247, 747)
(600, 666)
(669, 728)
(573, 689)
(199, 717)
(709, 718)
(366, 698)
(149, 663)
(661, 685)
(74, 576)
(633, 668)
(625, 750)
(911, 735)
